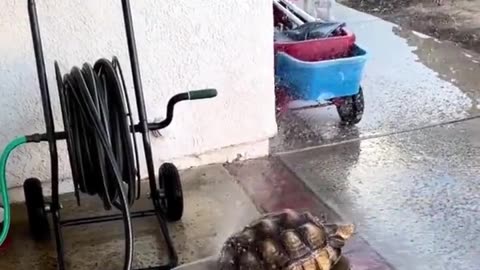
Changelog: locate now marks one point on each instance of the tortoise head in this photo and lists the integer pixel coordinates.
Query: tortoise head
(338, 234)
(345, 231)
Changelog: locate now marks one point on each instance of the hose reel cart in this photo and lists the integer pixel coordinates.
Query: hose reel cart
(100, 136)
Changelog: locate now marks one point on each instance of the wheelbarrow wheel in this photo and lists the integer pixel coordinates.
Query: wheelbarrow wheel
(350, 109)
(169, 181)
(37, 215)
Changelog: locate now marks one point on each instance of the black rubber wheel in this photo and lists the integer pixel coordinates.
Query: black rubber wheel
(169, 181)
(351, 108)
(37, 216)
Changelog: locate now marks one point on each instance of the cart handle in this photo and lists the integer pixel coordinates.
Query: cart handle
(201, 94)
(191, 95)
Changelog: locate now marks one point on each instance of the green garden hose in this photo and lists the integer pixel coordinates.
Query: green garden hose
(3, 185)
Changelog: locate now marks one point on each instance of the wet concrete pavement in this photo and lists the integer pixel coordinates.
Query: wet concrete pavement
(272, 186)
(408, 174)
(415, 196)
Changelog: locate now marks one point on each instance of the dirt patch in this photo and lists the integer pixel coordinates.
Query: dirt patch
(455, 20)
(383, 7)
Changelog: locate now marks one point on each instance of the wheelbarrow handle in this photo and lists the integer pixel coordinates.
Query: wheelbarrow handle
(201, 94)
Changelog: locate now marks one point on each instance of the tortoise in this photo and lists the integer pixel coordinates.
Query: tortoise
(285, 240)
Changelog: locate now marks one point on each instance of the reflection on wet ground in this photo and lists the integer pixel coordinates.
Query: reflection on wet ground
(297, 132)
(408, 173)
(453, 64)
(415, 196)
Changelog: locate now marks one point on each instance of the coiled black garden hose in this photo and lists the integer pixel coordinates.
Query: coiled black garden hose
(100, 142)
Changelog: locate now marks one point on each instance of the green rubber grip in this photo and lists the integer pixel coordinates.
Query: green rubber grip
(200, 94)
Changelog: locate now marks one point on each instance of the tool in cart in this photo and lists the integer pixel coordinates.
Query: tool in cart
(100, 136)
(316, 64)
(292, 15)
(309, 31)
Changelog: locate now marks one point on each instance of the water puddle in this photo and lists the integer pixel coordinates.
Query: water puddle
(452, 63)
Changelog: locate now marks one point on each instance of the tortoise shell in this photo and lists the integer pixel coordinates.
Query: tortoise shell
(286, 240)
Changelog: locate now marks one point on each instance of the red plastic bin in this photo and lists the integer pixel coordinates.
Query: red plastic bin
(319, 49)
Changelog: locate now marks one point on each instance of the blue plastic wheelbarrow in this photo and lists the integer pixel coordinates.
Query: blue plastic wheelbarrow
(335, 81)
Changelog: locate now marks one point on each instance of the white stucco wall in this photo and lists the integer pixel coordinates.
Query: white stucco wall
(183, 44)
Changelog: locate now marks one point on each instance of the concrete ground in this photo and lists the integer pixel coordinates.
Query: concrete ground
(414, 196)
(214, 208)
